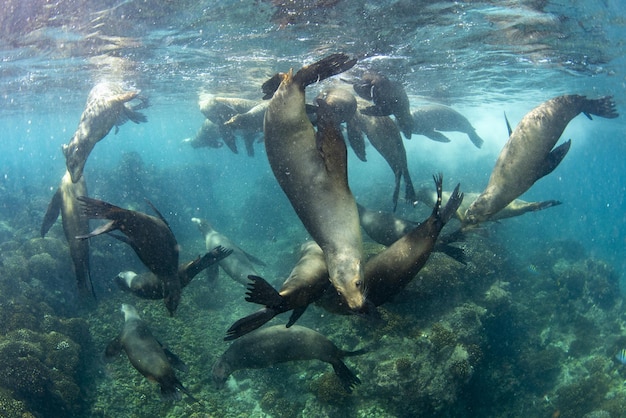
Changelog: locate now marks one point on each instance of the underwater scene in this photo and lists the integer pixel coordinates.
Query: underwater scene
(312, 208)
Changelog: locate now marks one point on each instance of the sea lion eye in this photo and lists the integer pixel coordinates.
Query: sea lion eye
(359, 283)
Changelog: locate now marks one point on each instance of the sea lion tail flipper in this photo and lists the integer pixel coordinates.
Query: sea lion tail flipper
(545, 204)
(323, 69)
(295, 315)
(170, 390)
(554, 158)
(347, 378)
(52, 213)
(131, 114)
(250, 323)
(456, 253)
(603, 107)
(186, 392)
(98, 209)
(453, 204)
(261, 292)
(476, 140)
(107, 227)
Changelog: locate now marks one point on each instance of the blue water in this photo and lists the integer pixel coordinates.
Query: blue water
(481, 58)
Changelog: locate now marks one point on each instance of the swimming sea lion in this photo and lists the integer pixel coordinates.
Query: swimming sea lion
(239, 265)
(389, 271)
(528, 155)
(384, 136)
(220, 109)
(265, 347)
(74, 223)
(389, 98)
(107, 106)
(207, 136)
(306, 283)
(430, 119)
(312, 171)
(516, 208)
(150, 237)
(148, 286)
(148, 355)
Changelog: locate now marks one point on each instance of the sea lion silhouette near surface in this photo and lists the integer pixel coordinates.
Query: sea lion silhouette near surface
(528, 155)
(428, 120)
(312, 171)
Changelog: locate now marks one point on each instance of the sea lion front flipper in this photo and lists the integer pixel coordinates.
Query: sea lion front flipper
(161, 217)
(508, 125)
(52, 213)
(250, 323)
(229, 138)
(259, 291)
(215, 255)
(295, 315)
(174, 360)
(356, 140)
(347, 378)
(436, 136)
(456, 253)
(453, 204)
(323, 69)
(113, 348)
(476, 140)
(107, 227)
(554, 159)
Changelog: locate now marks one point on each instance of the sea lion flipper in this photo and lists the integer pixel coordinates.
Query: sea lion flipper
(161, 217)
(174, 360)
(295, 315)
(52, 213)
(261, 292)
(113, 348)
(347, 378)
(437, 136)
(476, 140)
(356, 140)
(456, 253)
(323, 69)
(508, 125)
(374, 111)
(453, 204)
(250, 323)
(554, 158)
(215, 255)
(107, 227)
(229, 138)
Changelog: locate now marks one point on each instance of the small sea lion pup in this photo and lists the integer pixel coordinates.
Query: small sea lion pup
(107, 106)
(306, 283)
(150, 237)
(312, 171)
(389, 98)
(148, 286)
(148, 355)
(430, 119)
(65, 201)
(528, 155)
(268, 346)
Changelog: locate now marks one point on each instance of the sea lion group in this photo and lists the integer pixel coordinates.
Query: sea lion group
(307, 153)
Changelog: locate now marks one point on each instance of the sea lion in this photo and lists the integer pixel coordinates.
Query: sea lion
(148, 286)
(240, 264)
(312, 171)
(389, 98)
(343, 105)
(220, 109)
(306, 283)
(150, 237)
(148, 355)
(384, 136)
(528, 155)
(516, 208)
(74, 223)
(430, 119)
(389, 271)
(207, 136)
(107, 106)
(272, 345)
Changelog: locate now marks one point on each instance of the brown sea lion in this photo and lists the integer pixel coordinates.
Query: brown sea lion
(74, 223)
(240, 264)
(516, 208)
(272, 345)
(528, 155)
(385, 137)
(220, 109)
(150, 237)
(107, 106)
(306, 283)
(312, 171)
(389, 271)
(148, 286)
(428, 120)
(148, 355)
(389, 98)
(207, 136)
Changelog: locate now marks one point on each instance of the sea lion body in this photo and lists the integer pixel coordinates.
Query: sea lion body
(277, 344)
(147, 355)
(207, 136)
(107, 106)
(384, 136)
(238, 265)
(528, 155)
(384, 227)
(312, 171)
(148, 286)
(306, 283)
(516, 208)
(75, 223)
(430, 119)
(150, 237)
(220, 109)
(389, 98)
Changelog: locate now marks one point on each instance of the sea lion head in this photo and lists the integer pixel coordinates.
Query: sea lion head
(476, 213)
(351, 290)
(124, 279)
(220, 372)
(129, 312)
(75, 161)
